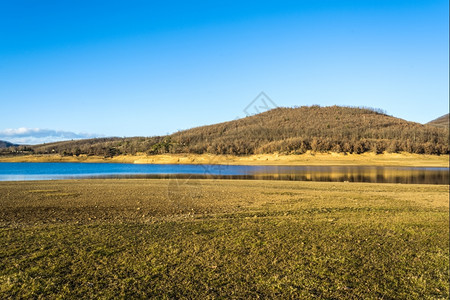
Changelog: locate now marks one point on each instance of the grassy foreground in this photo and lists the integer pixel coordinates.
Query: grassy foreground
(223, 239)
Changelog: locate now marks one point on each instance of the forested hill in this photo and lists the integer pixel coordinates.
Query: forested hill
(443, 121)
(283, 130)
(296, 130)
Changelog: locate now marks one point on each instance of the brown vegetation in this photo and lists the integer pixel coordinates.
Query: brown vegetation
(443, 122)
(282, 130)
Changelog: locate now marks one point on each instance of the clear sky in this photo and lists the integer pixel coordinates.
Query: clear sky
(71, 69)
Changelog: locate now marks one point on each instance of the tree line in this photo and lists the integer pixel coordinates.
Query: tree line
(284, 130)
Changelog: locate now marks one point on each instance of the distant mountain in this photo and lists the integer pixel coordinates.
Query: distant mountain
(441, 122)
(5, 144)
(284, 130)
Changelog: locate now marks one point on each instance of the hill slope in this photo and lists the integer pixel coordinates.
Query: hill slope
(443, 121)
(296, 130)
(5, 144)
(285, 130)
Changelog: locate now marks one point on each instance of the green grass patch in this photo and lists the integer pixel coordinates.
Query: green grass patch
(282, 247)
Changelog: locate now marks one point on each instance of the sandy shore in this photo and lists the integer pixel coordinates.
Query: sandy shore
(369, 159)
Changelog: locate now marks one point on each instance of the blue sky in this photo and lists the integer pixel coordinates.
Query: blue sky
(70, 69)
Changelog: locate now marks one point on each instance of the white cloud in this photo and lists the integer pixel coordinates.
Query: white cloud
(32, 136)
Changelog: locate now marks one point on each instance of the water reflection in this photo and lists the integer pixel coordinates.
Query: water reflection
(52, 171)
(407, 175)
(388, 176)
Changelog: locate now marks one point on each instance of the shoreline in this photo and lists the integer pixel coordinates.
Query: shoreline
(307, 159)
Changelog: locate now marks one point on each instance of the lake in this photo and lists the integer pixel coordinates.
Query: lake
(375, 174)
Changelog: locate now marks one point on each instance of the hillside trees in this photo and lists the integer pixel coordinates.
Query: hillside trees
(283, 130)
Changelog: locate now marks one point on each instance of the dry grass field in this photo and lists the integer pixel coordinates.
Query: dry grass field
(223, 239)
(308, 159)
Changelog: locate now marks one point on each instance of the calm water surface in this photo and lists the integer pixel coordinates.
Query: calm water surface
(55, 171)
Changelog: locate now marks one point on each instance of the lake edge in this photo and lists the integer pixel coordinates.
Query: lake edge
(329, 159)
